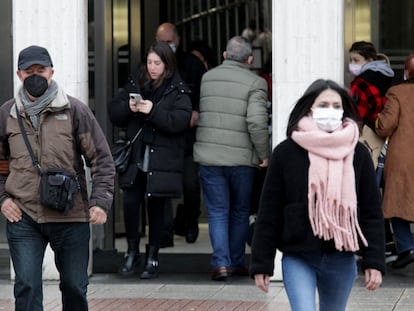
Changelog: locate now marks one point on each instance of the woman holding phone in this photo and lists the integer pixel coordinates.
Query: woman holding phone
(161, 113)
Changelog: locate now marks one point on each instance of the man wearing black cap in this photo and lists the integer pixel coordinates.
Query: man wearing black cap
(60, 130)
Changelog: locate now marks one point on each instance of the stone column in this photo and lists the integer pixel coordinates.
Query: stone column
(61, 27)
(307, 44)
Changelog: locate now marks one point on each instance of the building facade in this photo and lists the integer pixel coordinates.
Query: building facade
(96, 43)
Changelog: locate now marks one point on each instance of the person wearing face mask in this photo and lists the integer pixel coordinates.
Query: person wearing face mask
(63, 134)
(372, 78)
(396, 123)
(191, 70)
(320, 205)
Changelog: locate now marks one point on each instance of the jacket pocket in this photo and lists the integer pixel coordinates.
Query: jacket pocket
(296, 223)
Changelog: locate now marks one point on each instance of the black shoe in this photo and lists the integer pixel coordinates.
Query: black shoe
(131, 261)
(150, 271)
(192, 234)
(151, 263)
(404, 259)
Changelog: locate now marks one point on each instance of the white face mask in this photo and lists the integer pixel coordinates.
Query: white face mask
(173, 47)
(327, 119)
(355, 69)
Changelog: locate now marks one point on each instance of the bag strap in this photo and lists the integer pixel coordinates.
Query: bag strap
(136, 135)
(35, 161)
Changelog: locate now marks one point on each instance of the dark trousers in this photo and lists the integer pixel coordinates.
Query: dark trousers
(188, 212)
(191, 192)
(133, 201)
(70, 243)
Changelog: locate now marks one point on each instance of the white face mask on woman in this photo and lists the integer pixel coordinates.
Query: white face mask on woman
(327, 119)
(355, 69)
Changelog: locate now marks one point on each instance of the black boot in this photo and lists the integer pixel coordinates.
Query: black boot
(131, 258)
(151, 263)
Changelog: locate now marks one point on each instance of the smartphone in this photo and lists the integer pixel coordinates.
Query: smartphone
(135, 96)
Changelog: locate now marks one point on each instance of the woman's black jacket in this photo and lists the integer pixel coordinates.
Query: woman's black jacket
(163, 132)
(283, 220)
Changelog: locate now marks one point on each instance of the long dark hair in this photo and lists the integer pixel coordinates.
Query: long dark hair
(304, 104)
(163, 50)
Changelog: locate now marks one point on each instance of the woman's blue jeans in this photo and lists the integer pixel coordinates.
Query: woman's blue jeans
(226, 192)
(331, 274)
(70, 243)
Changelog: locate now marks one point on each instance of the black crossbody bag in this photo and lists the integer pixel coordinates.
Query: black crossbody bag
(57, 186)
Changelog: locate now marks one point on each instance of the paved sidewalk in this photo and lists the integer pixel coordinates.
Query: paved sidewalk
(197, 293)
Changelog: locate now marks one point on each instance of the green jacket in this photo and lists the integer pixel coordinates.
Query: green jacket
(233, 125)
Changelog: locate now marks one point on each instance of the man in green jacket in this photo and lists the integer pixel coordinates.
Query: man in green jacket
(232, 140)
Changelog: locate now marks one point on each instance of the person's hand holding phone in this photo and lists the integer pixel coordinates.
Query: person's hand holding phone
(137, 104)
(134, 101)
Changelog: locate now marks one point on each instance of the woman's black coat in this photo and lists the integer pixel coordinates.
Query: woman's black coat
(283, 220)
(163, 132)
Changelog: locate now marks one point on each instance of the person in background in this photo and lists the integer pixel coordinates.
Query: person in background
(203, 51)
(191, 70)
(232, 140)
(319, 205)
(118, 112)
(265, 73)
(62, 132)
(395, 122)
(156, 167)
(372, 78)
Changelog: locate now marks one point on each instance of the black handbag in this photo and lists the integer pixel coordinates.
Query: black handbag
(57, 186)
(121, 152)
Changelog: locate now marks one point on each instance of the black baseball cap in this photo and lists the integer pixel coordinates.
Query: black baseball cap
(34, 55)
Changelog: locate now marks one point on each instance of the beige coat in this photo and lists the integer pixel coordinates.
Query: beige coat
(397, 122)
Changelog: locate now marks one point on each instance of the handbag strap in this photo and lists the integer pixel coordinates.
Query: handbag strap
(136, 136)
(35, 161)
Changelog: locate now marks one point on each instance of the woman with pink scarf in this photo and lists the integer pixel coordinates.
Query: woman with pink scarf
(320, 205)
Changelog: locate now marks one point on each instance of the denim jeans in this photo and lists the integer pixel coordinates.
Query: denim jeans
(70, 243)
(402, 234)
(226, 193)
(332, 274)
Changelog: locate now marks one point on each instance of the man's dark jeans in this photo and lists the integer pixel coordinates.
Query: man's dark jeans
(70, 243)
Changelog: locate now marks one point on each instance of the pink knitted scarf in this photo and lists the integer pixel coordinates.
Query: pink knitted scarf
(332, 195)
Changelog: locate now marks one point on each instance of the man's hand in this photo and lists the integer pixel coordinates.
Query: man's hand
(194, 118)
(264, 163)
(98, 215)
(11, 211)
